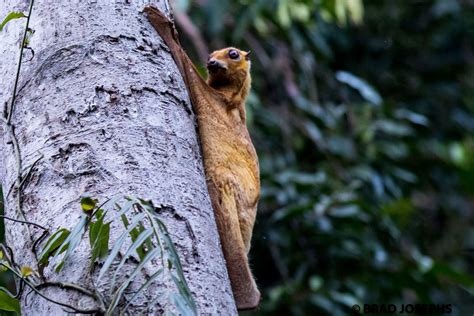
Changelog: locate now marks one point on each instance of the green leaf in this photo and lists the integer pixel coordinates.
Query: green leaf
(315, 283)
(136, 245)
(6, 290)
(29, 35)
(99, 237)
(344, 211)
(162, 234)
(454, 275)
(300, 11)
(111, 203)
(9, 303)
(413, 117)
(283, 13)
(118, 294)
(143, 287)
(117, 245)
(26, 271)
(53, 244)
(11, 16)
(293, 211)
(134, 233)
(356, 10)
(126, 207)
(365, 89)
(340, 11)
(393, 128)
(183, 305)
(71, 241)
(345, 298)
(88, 204)
(180, 281)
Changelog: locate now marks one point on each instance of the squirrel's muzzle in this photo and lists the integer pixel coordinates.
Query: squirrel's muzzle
(214, 65)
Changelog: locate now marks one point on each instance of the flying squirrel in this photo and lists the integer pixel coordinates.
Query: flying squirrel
(230, 160)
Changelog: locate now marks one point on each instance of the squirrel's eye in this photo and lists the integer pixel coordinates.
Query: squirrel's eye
(233, 54)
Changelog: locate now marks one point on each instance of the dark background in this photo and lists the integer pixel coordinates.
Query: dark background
(363, 117)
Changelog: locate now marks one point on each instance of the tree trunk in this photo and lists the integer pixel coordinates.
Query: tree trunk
(103, 104)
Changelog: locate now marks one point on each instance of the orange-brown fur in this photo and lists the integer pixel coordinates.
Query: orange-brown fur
(230, 160)
(234, 80)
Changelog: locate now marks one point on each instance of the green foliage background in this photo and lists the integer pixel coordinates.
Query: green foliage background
(363, 117)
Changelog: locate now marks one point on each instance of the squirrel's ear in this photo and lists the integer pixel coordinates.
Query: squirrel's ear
(247, 55)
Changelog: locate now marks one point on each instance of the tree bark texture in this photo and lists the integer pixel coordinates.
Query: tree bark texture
(104, 105)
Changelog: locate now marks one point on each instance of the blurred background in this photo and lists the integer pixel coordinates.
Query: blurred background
(362, 113)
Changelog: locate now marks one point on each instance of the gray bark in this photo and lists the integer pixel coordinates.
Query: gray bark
(103, 102)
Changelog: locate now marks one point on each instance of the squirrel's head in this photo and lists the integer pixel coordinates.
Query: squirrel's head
(228, 66)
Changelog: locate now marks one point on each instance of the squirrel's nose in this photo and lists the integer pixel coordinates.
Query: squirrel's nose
(212, 63)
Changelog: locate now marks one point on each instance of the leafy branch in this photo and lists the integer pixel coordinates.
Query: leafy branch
(144, 241)
(23, 276)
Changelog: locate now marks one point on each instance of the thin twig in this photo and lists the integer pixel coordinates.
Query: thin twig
(37, 241)
(16, 149)
(10, 110)
(34, 288)
(100, 297)
(26, 176)
(6, 249)
(68, 286)
(30, 170)
(23, 222)
(21, 288)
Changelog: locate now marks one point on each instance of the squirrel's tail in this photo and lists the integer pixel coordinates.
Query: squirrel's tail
(245, 290)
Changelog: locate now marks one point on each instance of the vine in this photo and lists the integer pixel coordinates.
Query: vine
(8, 113)
(144, 240)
